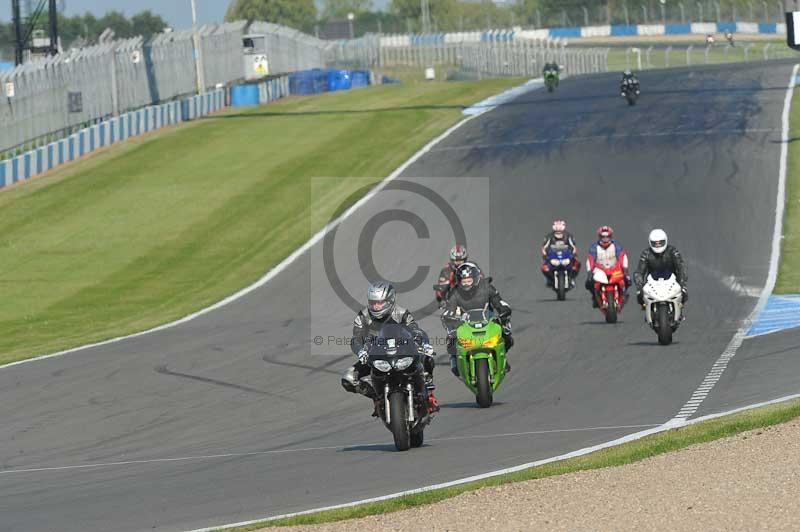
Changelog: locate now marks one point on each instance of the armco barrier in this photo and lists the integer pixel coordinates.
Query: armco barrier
(123, 127)
(40, 160)
(135, 123)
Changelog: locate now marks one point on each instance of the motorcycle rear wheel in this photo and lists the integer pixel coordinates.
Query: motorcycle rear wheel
(484, 396)
(398, 423)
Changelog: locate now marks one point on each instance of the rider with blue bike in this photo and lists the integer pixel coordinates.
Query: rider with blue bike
(559, 236)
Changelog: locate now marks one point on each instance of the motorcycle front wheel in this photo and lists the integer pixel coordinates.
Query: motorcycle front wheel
(664, 327)
(484, 397)
(611, 310)
(562, 285)
(398, 423)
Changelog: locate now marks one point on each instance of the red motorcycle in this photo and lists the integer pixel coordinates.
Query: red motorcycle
(609, 289)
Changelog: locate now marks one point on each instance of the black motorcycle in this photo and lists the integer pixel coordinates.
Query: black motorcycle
(398, 378)
(631, 92)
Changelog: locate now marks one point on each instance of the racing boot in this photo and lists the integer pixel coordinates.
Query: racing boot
(376, 410)
(454, 366)
(433, 403)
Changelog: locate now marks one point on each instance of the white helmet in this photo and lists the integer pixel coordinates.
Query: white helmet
(658, 240)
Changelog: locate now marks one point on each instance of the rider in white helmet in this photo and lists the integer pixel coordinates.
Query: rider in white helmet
(660, 260)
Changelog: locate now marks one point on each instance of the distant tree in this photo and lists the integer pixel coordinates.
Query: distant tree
(443, 12)
(337, 9)
(115, 20)
(145, 23)
(299, 14)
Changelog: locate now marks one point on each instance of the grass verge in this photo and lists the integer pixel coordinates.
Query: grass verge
(789, 271)
(628, 453)
(162, 226)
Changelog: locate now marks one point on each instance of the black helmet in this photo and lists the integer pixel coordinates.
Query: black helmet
(468, 276)
(380, 299)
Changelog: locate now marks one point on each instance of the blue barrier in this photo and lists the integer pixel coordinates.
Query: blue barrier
(338, 80)
(565, 32)
(767, 27)
(723, 27)
(623, 30)
(244, 95)
(677, 29)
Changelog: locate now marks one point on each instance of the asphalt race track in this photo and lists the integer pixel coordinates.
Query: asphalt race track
(229, 417)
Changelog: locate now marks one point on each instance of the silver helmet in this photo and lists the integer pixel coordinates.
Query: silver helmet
(380, 299)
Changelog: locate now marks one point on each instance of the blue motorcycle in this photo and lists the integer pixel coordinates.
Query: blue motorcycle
(559, 262)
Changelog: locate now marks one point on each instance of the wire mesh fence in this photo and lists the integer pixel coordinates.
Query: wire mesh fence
(519, 57)
(648, 57)
(49, 98)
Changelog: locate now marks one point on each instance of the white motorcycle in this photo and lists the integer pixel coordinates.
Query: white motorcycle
(663, 306)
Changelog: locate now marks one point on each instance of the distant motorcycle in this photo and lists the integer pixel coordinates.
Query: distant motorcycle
(609, 290)
(397, 375)
(560, 263)
(631, 93)
(551, 80)
(663, 306)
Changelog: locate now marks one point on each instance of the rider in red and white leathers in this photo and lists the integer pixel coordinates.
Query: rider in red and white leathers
(605, 252)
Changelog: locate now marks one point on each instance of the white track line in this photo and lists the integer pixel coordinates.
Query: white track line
(285, 262)
(672, 424)
(97, 465)
(713, 376)
(676, 422)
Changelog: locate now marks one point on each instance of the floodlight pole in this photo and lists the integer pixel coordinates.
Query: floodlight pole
(198, 51)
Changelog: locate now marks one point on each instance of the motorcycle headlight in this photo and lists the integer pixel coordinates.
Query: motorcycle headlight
(492, 342)
(555, 262)
(565, 262)
(382, 365)
(403, 363)
(466, 343)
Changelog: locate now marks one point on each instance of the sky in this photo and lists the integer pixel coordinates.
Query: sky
(177, 13)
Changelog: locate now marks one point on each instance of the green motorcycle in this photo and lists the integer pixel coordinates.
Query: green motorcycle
(481, 353)
(551, 80)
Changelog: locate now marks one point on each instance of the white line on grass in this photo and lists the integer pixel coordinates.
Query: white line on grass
(671, 424)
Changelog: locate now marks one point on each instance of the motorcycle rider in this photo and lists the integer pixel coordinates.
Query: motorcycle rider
(660, 260)
(447, 277)
(559, 234)
(382, 309)
(606, 252)
(551, 67)
(629, 80)
(474, 292)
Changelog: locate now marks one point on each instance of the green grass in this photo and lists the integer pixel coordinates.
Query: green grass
(158, 227)
(721, 53)
(789, 271)
(628, 453)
